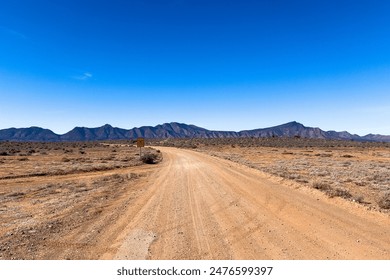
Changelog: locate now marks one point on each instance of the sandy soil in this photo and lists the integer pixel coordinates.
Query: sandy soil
(200, 207)
(190, 206)
(61, 200)
(360, 175)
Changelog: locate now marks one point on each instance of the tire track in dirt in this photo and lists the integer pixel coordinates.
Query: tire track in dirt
(200, 207)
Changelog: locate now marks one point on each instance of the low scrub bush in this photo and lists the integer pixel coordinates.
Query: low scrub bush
(65, 159)
(339, 192)
(331, 192)
(321, 186)
(149, 158)
(384, 200)
(359, 199)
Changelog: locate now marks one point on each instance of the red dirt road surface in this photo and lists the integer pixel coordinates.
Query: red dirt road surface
(195, 206)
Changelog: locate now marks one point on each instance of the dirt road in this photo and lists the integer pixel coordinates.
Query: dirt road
(199, 207)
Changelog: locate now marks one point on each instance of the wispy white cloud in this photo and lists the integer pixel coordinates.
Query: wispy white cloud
(84, 76)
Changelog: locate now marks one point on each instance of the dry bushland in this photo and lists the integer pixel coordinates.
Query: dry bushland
(27, 159)
(62, 195)
(357, 171)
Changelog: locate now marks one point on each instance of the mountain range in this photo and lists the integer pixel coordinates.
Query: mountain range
(177, 130)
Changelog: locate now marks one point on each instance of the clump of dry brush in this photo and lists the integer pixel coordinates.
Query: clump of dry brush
(384, 200)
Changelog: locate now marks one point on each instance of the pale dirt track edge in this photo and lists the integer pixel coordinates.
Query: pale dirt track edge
(199, 207)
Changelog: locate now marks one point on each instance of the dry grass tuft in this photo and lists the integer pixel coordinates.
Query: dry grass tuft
(321, 186)
(384, 200)
(339, 192)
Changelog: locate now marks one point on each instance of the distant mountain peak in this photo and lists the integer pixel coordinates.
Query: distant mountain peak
(293, 123)
(177, 130)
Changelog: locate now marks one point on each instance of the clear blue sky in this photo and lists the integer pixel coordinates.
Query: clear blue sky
(226, 65)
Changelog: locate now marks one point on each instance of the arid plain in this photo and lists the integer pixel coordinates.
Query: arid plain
(203, 199)
(356, 171)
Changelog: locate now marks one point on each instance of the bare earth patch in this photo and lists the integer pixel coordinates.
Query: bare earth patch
(355, 171)
(59, 200)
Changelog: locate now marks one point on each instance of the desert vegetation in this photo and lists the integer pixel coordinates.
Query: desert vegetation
(50, 192)
(356, 171)
(48, 159)
(149, 158)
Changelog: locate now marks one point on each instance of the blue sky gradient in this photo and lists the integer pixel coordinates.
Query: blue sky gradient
(223, 65)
